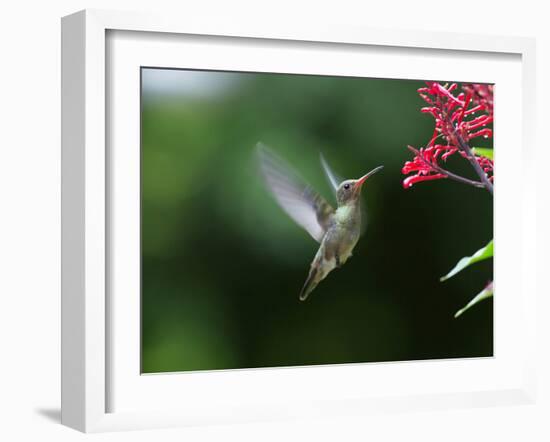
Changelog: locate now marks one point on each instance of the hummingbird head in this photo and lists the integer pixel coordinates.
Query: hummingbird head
(350, 190)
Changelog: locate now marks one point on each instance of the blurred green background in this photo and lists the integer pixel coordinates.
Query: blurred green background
(222, 264)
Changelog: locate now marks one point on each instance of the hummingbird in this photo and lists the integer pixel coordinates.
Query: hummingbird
(336, 230)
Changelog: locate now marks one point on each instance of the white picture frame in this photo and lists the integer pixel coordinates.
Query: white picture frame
(87, 356)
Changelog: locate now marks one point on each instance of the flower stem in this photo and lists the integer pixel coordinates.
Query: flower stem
(471, 158)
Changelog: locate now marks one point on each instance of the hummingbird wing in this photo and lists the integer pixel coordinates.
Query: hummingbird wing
(333, 179)
(298, 199)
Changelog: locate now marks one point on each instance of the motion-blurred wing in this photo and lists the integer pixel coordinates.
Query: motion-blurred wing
(299, 200)
(333, 179)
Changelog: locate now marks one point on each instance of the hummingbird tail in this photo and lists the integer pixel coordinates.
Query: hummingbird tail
(309, 285)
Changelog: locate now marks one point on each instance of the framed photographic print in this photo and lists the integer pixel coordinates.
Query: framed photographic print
(263, 223)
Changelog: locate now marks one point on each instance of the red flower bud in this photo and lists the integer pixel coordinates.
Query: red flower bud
(410, 180)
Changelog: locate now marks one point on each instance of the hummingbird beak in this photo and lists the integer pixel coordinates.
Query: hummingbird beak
(360, 181)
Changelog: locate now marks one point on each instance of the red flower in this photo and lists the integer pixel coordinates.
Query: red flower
(452, 117)
(482, 95)
(413, 179)
(456, 123)
(424, 164)
(487, 165)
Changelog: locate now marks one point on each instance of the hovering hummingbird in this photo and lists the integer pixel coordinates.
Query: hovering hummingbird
(337, 231)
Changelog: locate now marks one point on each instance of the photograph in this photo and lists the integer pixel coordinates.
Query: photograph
(302, 220)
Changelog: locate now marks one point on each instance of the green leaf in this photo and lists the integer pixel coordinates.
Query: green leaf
(480, 255)
(483, 152)
(487, 292)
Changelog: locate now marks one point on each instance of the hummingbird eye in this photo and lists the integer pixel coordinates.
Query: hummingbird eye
(346, 186)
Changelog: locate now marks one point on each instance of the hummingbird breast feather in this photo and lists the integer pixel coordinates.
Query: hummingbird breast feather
(339, 242)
